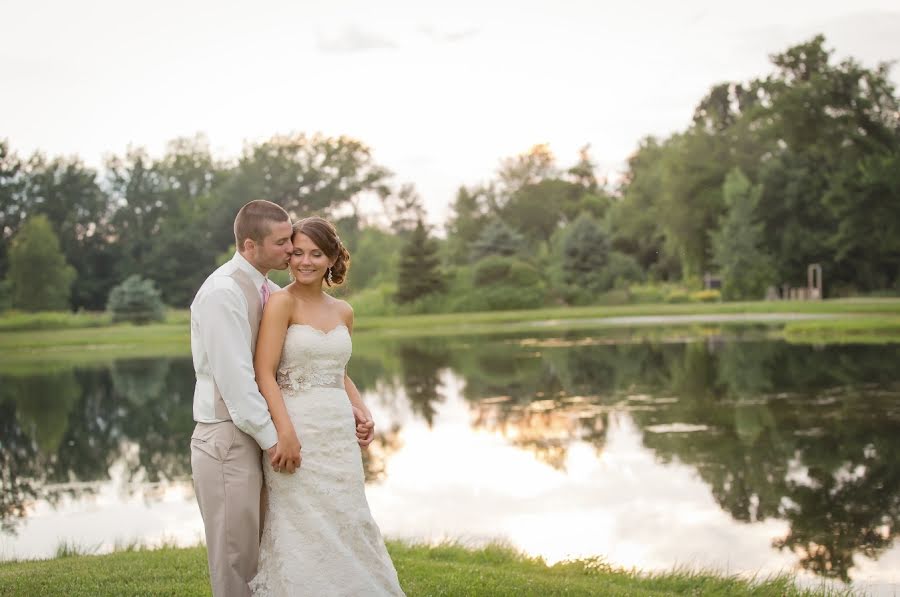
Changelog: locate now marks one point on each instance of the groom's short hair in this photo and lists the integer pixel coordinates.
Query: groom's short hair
(254, 221)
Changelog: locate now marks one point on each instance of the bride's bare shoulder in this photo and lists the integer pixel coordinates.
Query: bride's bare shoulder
(281, 303)
(344, 310)
(281, 297)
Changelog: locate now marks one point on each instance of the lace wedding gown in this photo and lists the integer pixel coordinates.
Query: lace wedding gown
(319, 537)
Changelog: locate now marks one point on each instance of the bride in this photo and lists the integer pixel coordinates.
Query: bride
(319, 537)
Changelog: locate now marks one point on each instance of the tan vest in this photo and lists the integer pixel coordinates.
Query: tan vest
(254, 314)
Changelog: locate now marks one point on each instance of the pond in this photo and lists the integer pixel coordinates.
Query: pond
(730, 451)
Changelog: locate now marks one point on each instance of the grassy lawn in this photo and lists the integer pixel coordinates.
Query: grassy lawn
(432, 571)
(858, 330)
(92, 338)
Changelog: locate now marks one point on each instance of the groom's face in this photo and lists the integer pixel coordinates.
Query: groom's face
(274, 252)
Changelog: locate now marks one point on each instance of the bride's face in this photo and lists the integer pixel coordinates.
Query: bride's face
(308, 262)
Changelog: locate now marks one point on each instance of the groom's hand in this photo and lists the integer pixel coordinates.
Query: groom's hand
(285, 455)
(365, 427)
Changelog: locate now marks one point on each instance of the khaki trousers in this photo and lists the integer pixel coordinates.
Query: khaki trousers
(227, 471)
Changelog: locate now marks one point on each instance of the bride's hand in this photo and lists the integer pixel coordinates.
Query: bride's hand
(285, 455)
(365, 427)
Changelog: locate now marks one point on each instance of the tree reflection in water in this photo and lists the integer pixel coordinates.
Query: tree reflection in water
(376, 456)
(813, 454)
(791, 433)
(63, 429)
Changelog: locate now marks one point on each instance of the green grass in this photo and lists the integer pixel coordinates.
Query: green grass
(13, 321)
(858, 330)
(450, 570)
(51, 320)
(96, 344)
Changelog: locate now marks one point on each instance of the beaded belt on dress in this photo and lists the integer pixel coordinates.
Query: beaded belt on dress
(298, 380)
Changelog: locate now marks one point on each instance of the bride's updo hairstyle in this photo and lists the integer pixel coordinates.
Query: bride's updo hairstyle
(324, 235)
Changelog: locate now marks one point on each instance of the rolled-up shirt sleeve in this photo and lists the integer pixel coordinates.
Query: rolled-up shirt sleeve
(225, 334)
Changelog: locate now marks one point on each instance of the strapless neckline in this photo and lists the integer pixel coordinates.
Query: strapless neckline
(315, 329)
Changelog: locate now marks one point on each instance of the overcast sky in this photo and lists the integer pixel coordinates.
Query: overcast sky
(441, 92)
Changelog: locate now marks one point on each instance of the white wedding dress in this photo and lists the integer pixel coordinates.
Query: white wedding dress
(319, 538)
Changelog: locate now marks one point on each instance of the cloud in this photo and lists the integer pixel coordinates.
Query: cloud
(447, 36)
(870, 37)
(353, 39)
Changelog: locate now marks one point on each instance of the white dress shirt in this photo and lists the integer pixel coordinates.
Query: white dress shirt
(220, 344)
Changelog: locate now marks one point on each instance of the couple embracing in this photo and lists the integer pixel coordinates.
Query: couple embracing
(275, 454)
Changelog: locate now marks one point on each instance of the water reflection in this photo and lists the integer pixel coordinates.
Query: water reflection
(785, 450)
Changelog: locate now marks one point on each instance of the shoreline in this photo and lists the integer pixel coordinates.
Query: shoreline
(868, 321)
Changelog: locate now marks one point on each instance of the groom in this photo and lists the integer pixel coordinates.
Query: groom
(233, 422)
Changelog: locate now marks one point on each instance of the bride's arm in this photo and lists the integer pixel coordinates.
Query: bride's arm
(269, 344)
(365, 425)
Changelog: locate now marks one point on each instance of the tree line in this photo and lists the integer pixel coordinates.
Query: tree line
(799, 166)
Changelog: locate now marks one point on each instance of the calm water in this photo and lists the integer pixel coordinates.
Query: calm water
(738, 454)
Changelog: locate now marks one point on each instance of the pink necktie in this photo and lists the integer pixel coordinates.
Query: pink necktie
(265, 292)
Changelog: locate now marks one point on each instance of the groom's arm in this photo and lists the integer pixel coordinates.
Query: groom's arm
(226, 337)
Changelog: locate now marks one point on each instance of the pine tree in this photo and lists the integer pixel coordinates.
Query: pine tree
(497, 238)
(585, 252)
(419, 273)
(136, 300)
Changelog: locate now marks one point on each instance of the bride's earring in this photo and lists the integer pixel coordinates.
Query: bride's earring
(290, 274)
(329, 276)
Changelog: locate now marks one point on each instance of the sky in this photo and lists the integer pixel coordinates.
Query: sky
(441, 92)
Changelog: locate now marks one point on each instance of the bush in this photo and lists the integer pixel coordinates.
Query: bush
(706, 296)
(505, 270)
(498, 283)
(137, 301)
(378, 300)
(671, 293)
(622, 270)
(647, 293)
(501, 298)
(678, 296)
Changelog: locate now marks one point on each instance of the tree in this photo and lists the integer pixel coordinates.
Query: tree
(136, 300)
(142, 207)
(404, 209)
(68, 193)
(530, 167)
(5, 295)
(831, 125)
(584, 256)
(419, 273)
(694, 167)
(468, 217)
(497, 238)
(310, 174)
(865, 200)
(634, 221)
(583, 173)
(375, 255)
(12, 211)
(40, 277)
(536, 210)
(738, 248)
